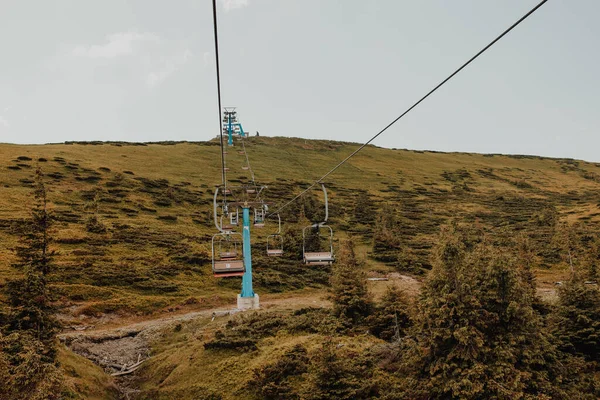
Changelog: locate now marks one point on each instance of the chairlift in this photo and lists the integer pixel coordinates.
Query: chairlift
(274, 250)
(245, 167)
(259, 217)
(234, 218)
(323, 256)
(227, 257)
(226, 227)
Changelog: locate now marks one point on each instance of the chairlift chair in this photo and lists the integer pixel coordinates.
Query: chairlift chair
(324, 256)
(259, 217)
(274, 250)
(234, 218)
(227, 228)
(318, 257)
(226, 259)
(245, 167)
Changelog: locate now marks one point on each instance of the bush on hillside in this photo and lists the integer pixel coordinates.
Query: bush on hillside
(350, 296)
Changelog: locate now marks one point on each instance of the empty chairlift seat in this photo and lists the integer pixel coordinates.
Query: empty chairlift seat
(225, 268)
(259, 217)
(324, 255)
(226, 259)
(274, 252)
(318, 258)
(275, 242)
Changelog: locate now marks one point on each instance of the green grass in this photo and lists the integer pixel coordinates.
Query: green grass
(156, 202)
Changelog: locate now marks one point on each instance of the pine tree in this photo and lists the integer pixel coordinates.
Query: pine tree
(93, 223)
(30, 297)
(27, 340)
(478, 335)
(338, 375)
(391, 317)
(577, 319)
(364, 212)
(351, 300)
(386, 236)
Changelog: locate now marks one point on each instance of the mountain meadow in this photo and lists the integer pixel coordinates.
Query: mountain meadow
(457, 275)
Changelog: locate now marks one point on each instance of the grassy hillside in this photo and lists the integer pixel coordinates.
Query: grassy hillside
(155, 201)
(134, 223)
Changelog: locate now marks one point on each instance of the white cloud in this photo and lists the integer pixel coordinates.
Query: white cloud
(118, 44)
(169, 67)
(229, 5)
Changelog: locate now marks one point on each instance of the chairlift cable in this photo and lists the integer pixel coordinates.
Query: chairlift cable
(318, 181)
(248, 164)
(214, 4)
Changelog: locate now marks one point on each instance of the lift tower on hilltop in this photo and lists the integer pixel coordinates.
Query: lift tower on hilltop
(231, 125)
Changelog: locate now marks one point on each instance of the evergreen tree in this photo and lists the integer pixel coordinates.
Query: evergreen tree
(93, 223)
(350, 295)
(478, 335)
(386, 236)
(577, 319)
(364, 212)
(28, 366)
(29, 297)
(335, 375)
(391, 318)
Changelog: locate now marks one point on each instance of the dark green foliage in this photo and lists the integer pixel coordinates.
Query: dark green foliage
(478, 335)
(25, 374)
(391, 319)
(351, 300)
(386, 236)
(364, 210)
(338, 374)
(273, 381)
(93, 225)
(28, 367)
(577, 319)
(194, 391)
(29, 297)
(244, 332)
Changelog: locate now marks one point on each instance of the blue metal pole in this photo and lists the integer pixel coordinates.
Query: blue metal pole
(247, 278)
(241, 130)
(229, 132)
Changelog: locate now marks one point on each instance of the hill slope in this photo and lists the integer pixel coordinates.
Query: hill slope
(155, 202)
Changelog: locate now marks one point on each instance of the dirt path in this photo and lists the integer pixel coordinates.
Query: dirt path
(116, 348)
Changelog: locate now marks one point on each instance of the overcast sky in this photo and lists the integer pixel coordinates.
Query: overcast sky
(143, 70)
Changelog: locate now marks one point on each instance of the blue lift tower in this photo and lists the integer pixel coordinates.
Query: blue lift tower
(231, 125)
(231, 250)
